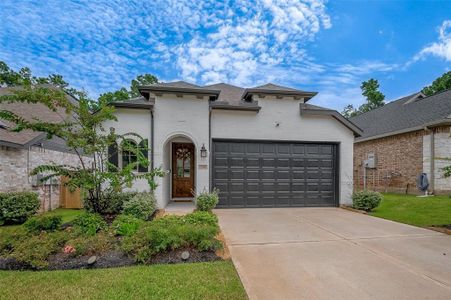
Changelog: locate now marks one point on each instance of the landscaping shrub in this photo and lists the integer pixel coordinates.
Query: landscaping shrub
(43, 223)
(141, 206)
(111, 202)
(366, 200)
(16, 207)
(196, 230)
(126, 225)
(91, 245)
(202, 218)
(206, 201)
(36, 249)
(89, 223)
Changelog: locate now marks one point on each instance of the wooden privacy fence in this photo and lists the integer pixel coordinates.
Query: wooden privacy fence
(69, 199)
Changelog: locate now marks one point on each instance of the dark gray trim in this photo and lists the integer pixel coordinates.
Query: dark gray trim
(301, 94)
(227, 106)
(135, 104)
(132, 105)
(333, 113)
(337, 173)
(169, 89)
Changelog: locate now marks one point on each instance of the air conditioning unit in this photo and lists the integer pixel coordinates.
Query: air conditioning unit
(371, 161)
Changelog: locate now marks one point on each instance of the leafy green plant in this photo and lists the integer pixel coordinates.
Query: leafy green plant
(206, 201)
(366, 200)
(16, 207)
(36, 249)
(111, 202)
(141, 206)
(196, 230)
(91, 245)
(43, 223)
(202, 218)
(126, 225)
(89, 223)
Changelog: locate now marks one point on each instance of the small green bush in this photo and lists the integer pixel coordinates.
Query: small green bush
(202, 218)
(111, 202)
(91, 245)
(141, 206)
(17, 207)
(126, 225)
(43, 223)
(366, 200)
(206, 201)
(196, 230)
(36, 249)
(89, 223)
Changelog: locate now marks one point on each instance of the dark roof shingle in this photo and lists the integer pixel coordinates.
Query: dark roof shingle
(404, 114)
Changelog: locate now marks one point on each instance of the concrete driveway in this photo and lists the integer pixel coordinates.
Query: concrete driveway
(331, 253)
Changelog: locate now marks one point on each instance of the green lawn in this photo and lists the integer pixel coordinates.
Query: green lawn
(415, 210)
(67, 215)
(214, 280)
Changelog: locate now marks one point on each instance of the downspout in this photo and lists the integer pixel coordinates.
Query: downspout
(432, 164)
(209, 148)
(151, 139)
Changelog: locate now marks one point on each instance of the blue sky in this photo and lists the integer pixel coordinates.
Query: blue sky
(324, 46)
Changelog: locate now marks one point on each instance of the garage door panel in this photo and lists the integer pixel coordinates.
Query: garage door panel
(267, 174)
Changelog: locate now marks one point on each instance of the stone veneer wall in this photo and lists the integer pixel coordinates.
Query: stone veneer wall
(15, 165)
(399, 162)
(442, 145)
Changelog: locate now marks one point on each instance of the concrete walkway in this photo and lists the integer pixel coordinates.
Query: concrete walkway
(331, 253)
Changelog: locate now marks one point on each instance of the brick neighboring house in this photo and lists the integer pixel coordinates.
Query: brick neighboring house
(20, 152)
(405, 136)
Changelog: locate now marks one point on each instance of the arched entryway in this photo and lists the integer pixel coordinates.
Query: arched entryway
(179, 159)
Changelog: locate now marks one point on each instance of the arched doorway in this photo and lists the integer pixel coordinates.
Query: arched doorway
(179, 160)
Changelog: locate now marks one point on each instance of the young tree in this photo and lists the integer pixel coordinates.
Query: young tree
(124, 94)
(83, 132)
(349, 111)
(440, 84)
(374, 99)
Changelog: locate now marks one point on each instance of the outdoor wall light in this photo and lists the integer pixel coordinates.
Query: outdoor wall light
(203, 151)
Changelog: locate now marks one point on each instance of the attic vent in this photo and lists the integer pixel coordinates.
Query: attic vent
(415, 98)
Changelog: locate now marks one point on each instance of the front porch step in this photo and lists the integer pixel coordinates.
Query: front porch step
(179, 208)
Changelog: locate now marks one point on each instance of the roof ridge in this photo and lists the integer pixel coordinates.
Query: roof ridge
(386, 104)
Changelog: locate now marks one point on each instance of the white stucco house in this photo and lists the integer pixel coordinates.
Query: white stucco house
(260, 147)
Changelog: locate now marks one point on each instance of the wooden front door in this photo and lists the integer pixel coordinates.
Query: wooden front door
(182, 170)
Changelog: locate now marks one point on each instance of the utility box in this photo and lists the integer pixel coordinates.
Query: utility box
(371, 161)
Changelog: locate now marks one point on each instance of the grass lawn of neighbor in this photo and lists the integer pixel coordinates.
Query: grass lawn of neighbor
(211, 280)
(413, 210)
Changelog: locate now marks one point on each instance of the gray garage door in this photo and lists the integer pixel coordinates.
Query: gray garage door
(274, 174)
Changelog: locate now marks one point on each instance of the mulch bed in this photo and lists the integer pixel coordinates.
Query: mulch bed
(111, 259)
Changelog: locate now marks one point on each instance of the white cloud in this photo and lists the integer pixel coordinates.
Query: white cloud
(269, 34)
(441, 48)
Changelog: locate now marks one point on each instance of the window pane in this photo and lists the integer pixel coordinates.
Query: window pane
(179, 167)
(187, 167)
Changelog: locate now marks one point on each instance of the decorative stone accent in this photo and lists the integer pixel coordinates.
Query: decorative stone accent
(92, 260)
(185, 255)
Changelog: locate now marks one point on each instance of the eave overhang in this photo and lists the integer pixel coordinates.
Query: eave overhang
(333, 113)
